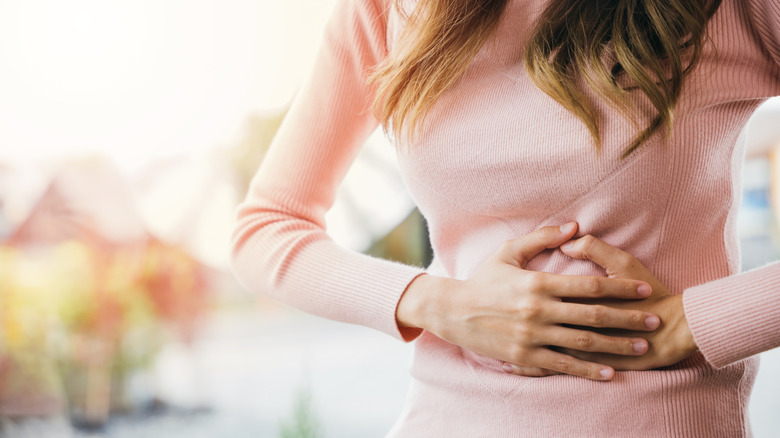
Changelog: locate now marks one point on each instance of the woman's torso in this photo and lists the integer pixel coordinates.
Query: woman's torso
(497, 158)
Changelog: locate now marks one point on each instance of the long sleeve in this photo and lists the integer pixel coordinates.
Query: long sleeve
(739, 316)
(280, 246)
(765, 17)
(735, 317)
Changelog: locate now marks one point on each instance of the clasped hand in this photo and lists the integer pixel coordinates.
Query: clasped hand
(626, 320)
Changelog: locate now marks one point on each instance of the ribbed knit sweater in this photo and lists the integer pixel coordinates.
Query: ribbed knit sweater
(496, 159)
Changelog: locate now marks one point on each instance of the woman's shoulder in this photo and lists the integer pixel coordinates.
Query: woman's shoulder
(760, 18)
(765, 17)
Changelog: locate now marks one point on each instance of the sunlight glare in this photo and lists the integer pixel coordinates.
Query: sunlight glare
(136, 79)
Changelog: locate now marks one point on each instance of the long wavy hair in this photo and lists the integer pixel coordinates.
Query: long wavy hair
(655, 43)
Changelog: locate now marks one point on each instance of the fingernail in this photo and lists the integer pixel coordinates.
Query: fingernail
(568, 227)
(508, 368)
(639, 347)
(644, 290)
(652, 322)
(606, 373)
(568, 245)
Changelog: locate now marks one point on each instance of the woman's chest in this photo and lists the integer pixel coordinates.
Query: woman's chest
(496, 145)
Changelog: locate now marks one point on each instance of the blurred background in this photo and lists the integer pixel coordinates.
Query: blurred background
(129, 131)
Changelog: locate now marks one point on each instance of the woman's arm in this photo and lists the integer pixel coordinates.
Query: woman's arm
(735, 317)
(280, 246)
(728, 319)
(739, 316)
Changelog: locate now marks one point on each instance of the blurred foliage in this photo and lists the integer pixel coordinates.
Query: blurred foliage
(407, 243)
(89, 315)
(304, 422)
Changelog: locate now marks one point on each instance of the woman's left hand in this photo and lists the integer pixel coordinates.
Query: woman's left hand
(669, 344)
(672, 341)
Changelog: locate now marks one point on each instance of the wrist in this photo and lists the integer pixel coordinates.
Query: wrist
(418, 306)
(685, 333)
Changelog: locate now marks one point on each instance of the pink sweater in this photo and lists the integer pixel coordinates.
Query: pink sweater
(497, 159)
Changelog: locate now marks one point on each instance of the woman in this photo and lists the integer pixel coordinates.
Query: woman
(538, 137)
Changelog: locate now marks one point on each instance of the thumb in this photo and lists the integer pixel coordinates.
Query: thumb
(521, 250)
(616, 262)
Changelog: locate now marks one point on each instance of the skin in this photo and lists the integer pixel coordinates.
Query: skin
(672, 341)
(528, 320)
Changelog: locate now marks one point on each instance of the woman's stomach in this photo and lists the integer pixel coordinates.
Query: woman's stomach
(456, 393)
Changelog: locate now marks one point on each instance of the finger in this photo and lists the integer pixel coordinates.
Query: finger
(521, 250)
(527, 371)
(616, 362)
(565, 364)
(615, 261)
(572, 286)
(596, 315)
(584, 340)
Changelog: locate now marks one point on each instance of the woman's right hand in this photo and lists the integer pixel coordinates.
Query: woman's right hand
(514, 315)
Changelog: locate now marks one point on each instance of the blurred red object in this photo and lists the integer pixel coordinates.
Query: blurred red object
(113, 284)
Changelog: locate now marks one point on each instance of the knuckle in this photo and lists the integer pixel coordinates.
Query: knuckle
(626, 261)
(529, 310)
(638, 319)
(592, 286)
(520, 370)
(524, 335)
(587, 244)
(534, 282)
(585, 342)
(543, 233)
(563, 365)
(516, 354)
(628, 289)
(597, 316)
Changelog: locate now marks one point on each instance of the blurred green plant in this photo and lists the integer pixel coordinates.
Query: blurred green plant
(304, 422)
(406, 243)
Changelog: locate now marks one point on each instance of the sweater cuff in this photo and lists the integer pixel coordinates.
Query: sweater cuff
(408, 334)
(391, 285)
(735, 317)
(350, 287)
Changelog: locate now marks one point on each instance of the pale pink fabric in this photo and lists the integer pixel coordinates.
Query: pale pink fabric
(496, 159)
